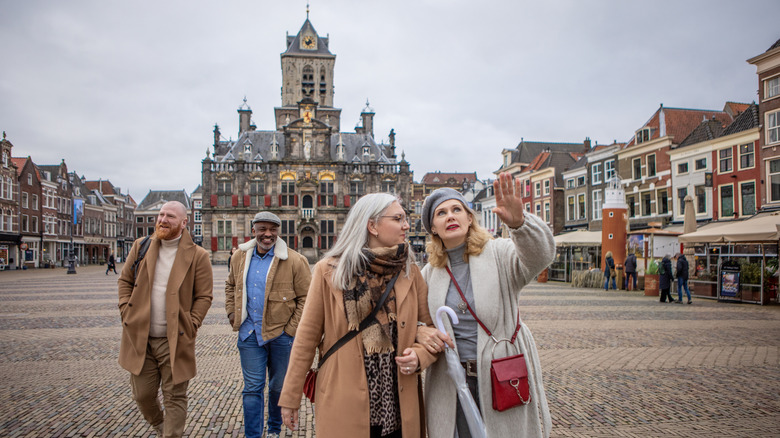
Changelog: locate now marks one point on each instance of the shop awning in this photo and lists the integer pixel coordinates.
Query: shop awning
(579, 238)
(763, 227)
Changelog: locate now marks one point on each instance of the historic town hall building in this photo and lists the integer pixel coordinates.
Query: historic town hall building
(306, 171)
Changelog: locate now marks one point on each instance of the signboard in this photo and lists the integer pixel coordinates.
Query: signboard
(729, 280)
(707, 179)
(3, 254)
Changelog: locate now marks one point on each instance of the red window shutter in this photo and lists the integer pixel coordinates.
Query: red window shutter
(295, 244)
(280, 200)
(246, 201)
(234, 200)
(346, 201)
(335, 200)
(213, 243)
(247, 238)
(267, 200)
(319, 241)
(296, 200)
(235, 241)
(213, 200)
(319, 200)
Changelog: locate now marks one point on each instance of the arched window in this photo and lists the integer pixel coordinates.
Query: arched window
(307, 80)
(308, 242)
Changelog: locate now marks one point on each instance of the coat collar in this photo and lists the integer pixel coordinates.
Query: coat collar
(280, 248)
(183, 259)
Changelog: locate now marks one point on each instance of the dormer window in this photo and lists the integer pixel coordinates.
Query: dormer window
(642, 135)
(5, 159)
(248, 149)
(366, 151)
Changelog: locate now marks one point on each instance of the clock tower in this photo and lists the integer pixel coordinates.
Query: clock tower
(307, 74)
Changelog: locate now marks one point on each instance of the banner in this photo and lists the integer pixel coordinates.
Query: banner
(78, 211)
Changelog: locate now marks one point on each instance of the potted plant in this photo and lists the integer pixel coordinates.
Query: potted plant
(652, 280)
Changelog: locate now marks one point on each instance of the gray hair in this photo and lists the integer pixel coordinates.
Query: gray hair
(353, 237)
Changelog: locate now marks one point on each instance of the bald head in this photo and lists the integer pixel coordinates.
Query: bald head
(171, 220)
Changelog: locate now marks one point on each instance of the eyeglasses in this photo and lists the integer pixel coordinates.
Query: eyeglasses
(398, 218)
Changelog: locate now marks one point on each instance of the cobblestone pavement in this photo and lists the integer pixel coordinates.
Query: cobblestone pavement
(615, 363)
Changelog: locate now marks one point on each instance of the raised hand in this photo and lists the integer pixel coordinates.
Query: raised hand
(509, 202)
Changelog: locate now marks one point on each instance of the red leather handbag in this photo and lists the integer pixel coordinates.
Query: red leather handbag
(509, 378)
(309, 384)
(508, 375)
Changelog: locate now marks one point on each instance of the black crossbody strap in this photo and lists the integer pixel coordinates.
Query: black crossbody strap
(143, 247)
(367, 321)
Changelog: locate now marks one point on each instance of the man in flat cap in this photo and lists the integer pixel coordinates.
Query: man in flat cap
(264, 296)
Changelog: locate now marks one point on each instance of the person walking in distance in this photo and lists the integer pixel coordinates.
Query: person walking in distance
(264, 296)
(630, 265)
(682, 278)
(111, 263)
(609, 271)
(665, 279)
(163, 300)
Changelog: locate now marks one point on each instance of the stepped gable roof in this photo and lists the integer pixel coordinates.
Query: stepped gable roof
(707, 130)
(157, 196)
(294, 44)
(678, 122)
(439, 178)
(748, 119)
(735, 108)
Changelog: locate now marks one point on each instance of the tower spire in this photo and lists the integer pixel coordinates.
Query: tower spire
(307, 10)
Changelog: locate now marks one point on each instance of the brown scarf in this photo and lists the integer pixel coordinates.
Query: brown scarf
(370, 284)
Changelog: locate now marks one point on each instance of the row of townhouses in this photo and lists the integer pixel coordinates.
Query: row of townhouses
(726, 159)
(48, 213)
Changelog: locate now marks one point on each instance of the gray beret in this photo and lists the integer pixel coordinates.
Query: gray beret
(434, 200)
(267, 216)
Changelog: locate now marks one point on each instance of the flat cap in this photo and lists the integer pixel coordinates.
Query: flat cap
(434, 200)
(267, 216)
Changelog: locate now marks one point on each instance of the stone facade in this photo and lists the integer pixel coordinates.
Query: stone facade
(305, 170)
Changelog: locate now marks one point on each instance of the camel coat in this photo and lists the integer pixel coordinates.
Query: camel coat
(342, 389)
(187, 299)
(504, 267)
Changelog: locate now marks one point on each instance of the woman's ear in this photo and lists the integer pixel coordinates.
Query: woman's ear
(372, 228)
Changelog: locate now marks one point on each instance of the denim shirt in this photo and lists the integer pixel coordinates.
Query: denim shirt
(255, 296)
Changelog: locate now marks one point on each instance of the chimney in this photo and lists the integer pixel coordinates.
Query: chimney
(392, 142)
(216, 135)
(587, 144)
(244, 117)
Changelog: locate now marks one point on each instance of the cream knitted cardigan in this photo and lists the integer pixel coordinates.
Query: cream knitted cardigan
(504, 267)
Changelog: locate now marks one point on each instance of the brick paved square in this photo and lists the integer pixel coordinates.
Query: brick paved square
(615, 363)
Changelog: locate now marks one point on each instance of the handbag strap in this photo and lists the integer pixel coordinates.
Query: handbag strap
(367, 321)
(463, 297)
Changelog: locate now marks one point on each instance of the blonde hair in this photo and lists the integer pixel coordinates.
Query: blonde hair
(476, 239)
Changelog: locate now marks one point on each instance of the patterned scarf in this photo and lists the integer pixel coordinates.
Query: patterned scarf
(370, 284)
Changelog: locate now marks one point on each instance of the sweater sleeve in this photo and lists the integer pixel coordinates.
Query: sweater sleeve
(530, 249)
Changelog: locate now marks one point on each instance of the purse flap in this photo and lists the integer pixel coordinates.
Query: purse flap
(511, 367)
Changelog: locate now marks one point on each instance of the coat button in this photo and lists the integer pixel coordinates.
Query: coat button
(401, 389)
(403, 324)
(125, 324)
(181, 333)
(130, 304)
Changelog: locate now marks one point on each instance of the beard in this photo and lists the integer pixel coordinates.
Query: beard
(167, 233)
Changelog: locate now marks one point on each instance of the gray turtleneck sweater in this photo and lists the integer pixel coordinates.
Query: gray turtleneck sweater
(466, 330)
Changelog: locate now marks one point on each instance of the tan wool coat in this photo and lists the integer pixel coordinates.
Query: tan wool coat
(342, 408)
(287, 284)
(187, 300)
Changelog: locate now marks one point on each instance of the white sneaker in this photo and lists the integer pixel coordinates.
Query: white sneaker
(272, 435)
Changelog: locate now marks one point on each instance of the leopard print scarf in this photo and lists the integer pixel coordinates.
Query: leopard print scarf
(370, 284)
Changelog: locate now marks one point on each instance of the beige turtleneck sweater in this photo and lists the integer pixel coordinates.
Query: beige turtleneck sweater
(162, 270)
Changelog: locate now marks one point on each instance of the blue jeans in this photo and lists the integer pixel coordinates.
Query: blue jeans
(273, 356)
(683, 283)
(629, 275)
(606, 283)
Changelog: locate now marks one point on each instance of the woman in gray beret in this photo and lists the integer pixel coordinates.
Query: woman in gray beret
(490, 273)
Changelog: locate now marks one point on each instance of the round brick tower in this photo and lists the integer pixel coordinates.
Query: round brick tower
(613, 223)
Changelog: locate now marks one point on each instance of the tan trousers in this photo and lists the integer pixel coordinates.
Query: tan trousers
(156, 370)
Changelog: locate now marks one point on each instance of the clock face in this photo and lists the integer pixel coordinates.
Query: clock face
(309, 42)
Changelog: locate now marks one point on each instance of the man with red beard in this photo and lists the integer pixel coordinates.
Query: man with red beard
(162, 303)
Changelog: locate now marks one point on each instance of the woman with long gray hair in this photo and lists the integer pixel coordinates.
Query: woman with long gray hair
(370, 385)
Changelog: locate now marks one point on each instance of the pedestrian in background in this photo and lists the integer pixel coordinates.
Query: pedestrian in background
(682, 278)
(630, 265)
(370, 386)
(665, 279)
(162, 302)
(609, 271)
(264, 296)
(490, 274)
(111, 263)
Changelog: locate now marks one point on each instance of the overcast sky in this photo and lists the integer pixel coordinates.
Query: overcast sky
(130, 91)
